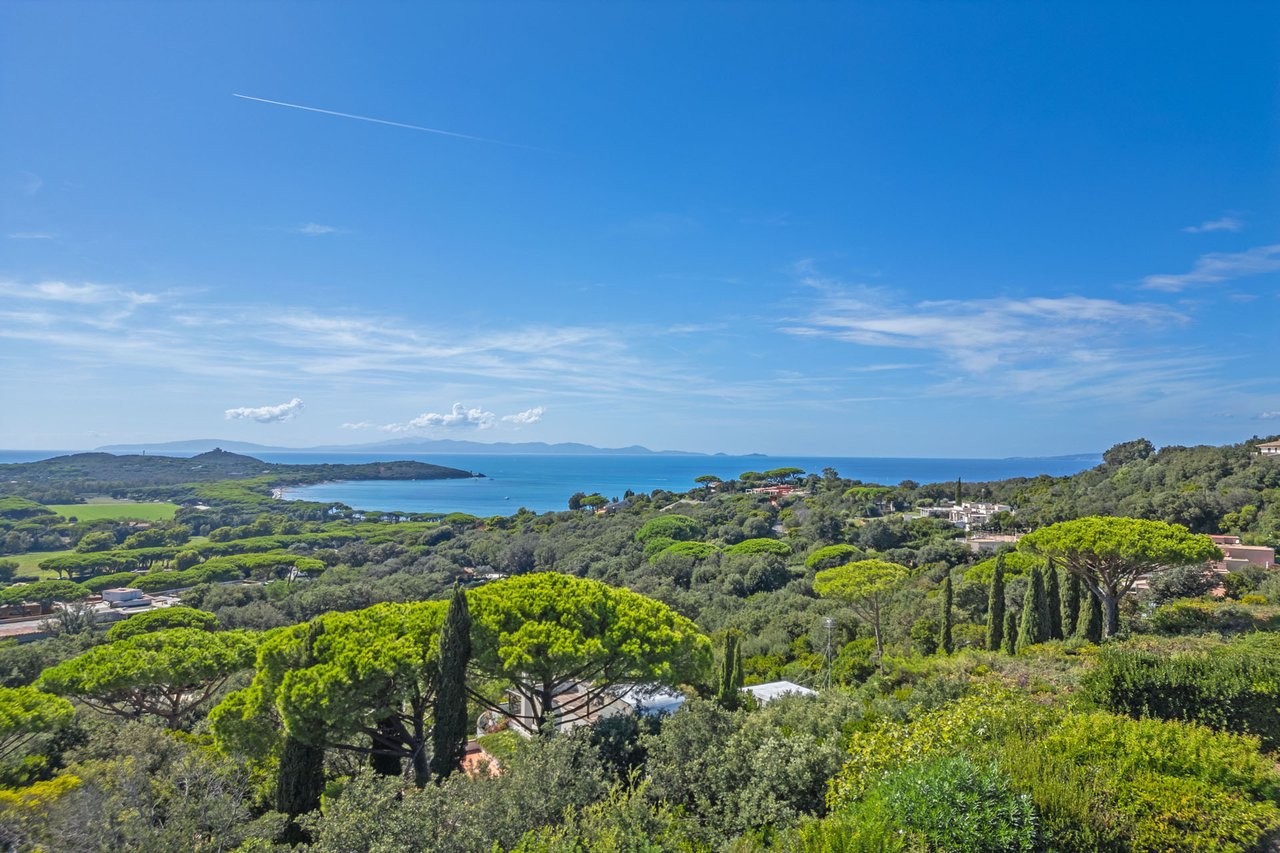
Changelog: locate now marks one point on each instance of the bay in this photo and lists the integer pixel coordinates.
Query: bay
(542, 482)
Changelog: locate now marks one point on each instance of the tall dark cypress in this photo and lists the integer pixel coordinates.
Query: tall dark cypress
(1090, 626)
(995, 607)
(449, 734)
(729, 678)
(959, 491)
(945, 644)
(300, 774)
(1034, 622)
(1010, 633)
(1071, 605)
(1053, 603)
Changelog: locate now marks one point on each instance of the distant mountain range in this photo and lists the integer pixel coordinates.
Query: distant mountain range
(400, 445)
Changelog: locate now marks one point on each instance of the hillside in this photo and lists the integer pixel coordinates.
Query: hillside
(93, 473)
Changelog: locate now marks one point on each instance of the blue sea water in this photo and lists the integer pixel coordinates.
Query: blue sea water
(545, 482)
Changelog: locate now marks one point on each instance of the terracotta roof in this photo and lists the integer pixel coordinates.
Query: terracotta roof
(1270, 444)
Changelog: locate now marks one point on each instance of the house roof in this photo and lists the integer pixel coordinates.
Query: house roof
(1270, 444)
(766, 693)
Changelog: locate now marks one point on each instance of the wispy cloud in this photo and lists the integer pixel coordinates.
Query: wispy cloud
(528, 416)
(29, 235)
(82, 294)
(1047, 347)
(379, 121)
(459, 417)
(1267, 416)
(266, 414)
(1225, 223)
(1218, 267)
(315, 229)
(360, 425)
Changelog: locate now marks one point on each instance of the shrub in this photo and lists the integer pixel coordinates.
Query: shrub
(1198, 617)
(1236, 689)
(1182, 582)
(952, 803)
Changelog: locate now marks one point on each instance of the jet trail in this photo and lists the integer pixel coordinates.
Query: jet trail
(382, 121)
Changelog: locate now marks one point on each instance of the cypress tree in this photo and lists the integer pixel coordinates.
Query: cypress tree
(449, 734)
(945, 643)
(1090, 626)
(300, 774)
(1034, 620)
(1053, 603)
(1071, 606)
(995, 607)
(1010, 633)
(959, 492)
(729, 678)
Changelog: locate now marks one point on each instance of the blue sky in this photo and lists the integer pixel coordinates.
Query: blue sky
(928, 229)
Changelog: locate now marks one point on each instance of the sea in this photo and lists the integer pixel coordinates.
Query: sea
(544, 482)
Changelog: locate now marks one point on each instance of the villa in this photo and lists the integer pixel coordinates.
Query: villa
(1269, 448)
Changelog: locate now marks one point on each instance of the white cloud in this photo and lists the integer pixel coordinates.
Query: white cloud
(266, 414)
(459, 417)
(529, 416)
(1266, 416)
(361, 425)
(315, 229)
(1219, 266)
(79, 294)
(1226, 223)
(29, 235)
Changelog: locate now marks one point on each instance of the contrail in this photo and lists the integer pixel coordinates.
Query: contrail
(382, 121)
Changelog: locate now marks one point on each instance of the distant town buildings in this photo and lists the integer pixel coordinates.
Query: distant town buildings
(966, 516)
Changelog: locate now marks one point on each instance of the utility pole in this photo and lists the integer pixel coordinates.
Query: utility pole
(829, 651)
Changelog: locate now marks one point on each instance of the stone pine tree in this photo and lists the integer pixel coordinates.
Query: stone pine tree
(1053, 603)
(995, 607)
(729, 676)
(1071, 606)
(945, 643)
(1034, 623)
(1090, 626)
(449, 735)
(1010, 633)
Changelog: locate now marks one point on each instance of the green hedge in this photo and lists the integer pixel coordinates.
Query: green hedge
(1236, 688)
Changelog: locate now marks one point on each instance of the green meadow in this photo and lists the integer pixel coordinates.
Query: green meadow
(96, 511)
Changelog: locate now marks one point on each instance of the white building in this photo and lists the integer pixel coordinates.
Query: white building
(966, 516)
(766, 693)
(1269, 448)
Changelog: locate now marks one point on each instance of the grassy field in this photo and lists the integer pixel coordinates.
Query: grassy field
(27, 563)
(96, 510)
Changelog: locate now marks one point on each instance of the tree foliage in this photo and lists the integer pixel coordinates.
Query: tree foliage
(542, 632)
(1109, 554)
(864, 586)
(160, 620)
(166, 673)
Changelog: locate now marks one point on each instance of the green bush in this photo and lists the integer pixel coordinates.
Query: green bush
(830, 556)
(951, 803)
(161, 620)
(1198, 617)
(1234, 689)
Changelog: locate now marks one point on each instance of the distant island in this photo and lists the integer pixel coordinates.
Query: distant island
(399, 445)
